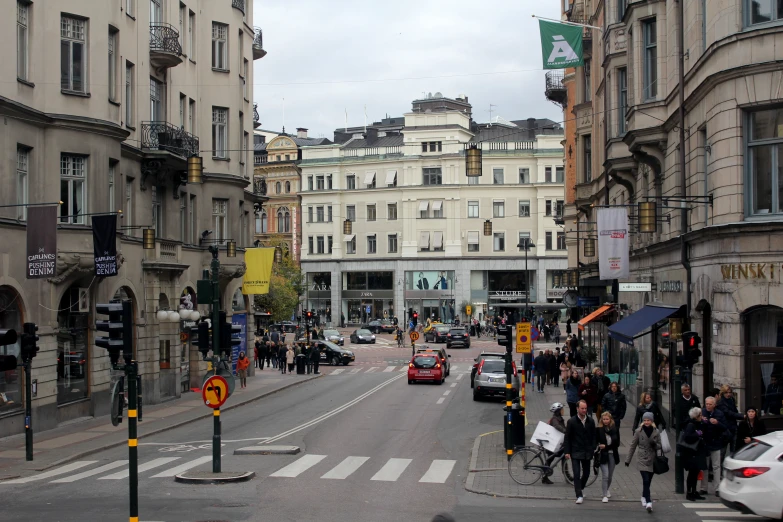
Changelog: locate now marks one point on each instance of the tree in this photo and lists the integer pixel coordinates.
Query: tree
(285, 286)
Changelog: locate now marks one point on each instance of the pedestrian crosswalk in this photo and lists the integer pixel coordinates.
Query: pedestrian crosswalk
(715, 512)
(384, 369)
(309, 465)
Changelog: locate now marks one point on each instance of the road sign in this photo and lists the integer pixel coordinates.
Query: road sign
(523, 338)
(634, 287)
(215, 392)
(414, 336)
(534, 333)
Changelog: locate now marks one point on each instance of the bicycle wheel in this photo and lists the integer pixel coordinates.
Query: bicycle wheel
(524, 466)
(568, 473)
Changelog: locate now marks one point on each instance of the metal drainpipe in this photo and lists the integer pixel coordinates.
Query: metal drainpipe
(683, 213)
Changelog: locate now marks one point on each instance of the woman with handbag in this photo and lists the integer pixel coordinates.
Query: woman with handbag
(693, 452)
(608, 437)
(647, 440)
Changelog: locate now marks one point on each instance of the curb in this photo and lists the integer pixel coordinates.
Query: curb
(162, 429)
(268, 450)
(222, 478)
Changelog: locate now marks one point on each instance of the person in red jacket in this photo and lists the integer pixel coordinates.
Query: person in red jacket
(242, 365)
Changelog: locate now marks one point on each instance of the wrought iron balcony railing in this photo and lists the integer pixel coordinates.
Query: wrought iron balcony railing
(259, 186)
(162, 135)
(258, 43)
(256, 117)
(238, 4)
(164, 38)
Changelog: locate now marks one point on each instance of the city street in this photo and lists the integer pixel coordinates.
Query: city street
(372, 448)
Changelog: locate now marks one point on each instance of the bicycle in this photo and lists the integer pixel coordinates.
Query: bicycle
(527, 465)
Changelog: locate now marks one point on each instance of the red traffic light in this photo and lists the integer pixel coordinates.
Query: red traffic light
(415, 315)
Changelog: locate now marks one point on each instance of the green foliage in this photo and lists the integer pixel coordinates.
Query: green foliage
(590, 354)
(285, 286)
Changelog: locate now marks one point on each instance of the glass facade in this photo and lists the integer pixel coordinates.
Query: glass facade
(319, 296)
(72, 345)
(366, 296)
(431, 293)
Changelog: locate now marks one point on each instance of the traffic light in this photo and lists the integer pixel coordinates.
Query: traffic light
(309, 315)
(690, 351)
(504, 337)
(200, 337)
(119, 327)
(7, 362)
(29, 342)
(415, 318)
(227, 332)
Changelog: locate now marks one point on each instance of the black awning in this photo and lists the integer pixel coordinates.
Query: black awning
(629, 328)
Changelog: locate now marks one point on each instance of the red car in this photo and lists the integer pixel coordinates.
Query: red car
(426, 367)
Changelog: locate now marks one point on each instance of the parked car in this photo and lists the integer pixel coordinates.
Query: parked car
(490, 380)
(426, 367)
(458, 337)
(752, 477)
(333, 354)
(377, 326)
(436, 334)
(477, 361)
(362, 335)
(444, 357)
(335, 337)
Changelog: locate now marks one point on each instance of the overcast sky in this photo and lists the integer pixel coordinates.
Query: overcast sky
(328, 56)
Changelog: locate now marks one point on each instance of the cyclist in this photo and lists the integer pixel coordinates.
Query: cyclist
(399, 337)
(558, 423)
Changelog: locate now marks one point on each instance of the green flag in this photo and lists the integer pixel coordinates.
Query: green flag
(561, 45)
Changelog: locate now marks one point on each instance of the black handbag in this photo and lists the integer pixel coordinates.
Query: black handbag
(693, 446)
(660, 464)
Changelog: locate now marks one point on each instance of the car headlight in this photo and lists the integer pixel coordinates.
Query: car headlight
(373, 337)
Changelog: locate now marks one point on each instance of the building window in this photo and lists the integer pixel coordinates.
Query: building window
(127, 210)
(473, 209)
(73, 177)
(263, 227)
(548, 211)
(219, 132)
(650, 35)
(498, 209)
(310, 248)
(22, 181)
(524, 239)
(319, 182)
(245, 72)
(220, 218)
(473, 180)
(350, 212)
(22, 39)
(497, 176)
(392, 243)
(370, 212)
(473, 241)
(283, 219)
(130, 7)
(192, 35)
(587, 147)
(559, 174)
(350, 247)
(524, 175)
(765, 154)
(181, 27)
(524, 208)
(192, 115)
(219, 46)
(112, 47)
(433, 146)
(559, 208)
(424, 146)
(328, 244)
(561, 242)
(432, 176)
(157, 210)
(391, 211)
(73, 57)
(192, 225)
(424, 241)
(156, 100)
(499, 241)
(621, 10)
(243, 153)
(129, 96)
(548, 241)
(319, 214)
(548, 174)
(437, 209)
(587, 93)
(112, 170)
(310, 215)
(763, 11)
(371, 245)
(350, 182)
(369, 179)
(329, 216)
(182, 100)
(287, 187)
(278, 188)
(183, 216)
(622, 101)
(319, 244)
(310, 183)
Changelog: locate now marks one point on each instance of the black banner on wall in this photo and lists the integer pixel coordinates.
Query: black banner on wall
(41, 242)
(104, 245)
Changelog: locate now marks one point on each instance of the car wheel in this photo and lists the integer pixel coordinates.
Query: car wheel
(377, 331)
(441, 381)
(335, 361)
(410, 381)
(471, 381)
(373, 341)
(476, 396)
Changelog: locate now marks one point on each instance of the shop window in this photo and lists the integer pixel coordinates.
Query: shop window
(164, 350)
(10, 381)
(765, 337)
(72, 345)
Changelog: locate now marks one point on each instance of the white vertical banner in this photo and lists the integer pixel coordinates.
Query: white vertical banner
(613, 243)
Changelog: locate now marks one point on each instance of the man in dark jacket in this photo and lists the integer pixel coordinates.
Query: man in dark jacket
(579, 447)
(315, 357)
(541, 367)
(715, 437)
(685, 401)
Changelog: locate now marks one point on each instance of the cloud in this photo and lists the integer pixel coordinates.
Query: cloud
(328, 56)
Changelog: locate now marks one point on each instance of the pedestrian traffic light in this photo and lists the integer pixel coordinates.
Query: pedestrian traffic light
(691, 352)
(29, 342)
(504, 337)
(7, 362)
(309, 315)
(119, 327)
(200, 337)
(415, 318)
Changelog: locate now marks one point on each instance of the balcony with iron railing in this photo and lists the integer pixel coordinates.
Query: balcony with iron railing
(256, 117)
(258, 43)
(165, 49)
(165, 137)
(555, 89)
(259, 185)
(238, 4)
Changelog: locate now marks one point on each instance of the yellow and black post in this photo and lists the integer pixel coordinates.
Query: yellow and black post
(216, 441)
(131, 371)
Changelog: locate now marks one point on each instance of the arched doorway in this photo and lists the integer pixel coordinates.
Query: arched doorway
(73, 343)
(189, 356)
(763, 332)
(10, 381)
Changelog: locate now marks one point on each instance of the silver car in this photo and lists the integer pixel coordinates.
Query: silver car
(334, 336)
(490, 380)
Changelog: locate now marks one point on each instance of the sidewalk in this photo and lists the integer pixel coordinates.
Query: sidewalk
(78, 439)
(488, 473)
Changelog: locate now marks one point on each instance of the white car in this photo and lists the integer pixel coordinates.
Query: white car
(753, 477)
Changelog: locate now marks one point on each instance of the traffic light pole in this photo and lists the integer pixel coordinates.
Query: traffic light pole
(215, 266)
(131, 372)
(28, 410)
(507, 433)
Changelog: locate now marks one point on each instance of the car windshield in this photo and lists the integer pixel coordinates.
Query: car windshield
(328, 333)
(363, 332)
(457, 331)
(425, 362)
(752, 451)
(331, 345)
(493, 366)
(442, 328)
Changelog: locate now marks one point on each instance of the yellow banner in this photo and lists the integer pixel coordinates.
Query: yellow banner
(259, 270)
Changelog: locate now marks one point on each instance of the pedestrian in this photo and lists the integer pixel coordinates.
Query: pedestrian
(608, 439)
(271, 355)
(686, 401)
(587, 393)
(614, 402)
(601, 383)
(646, 404)
(289, 359)
(728, 406)
(242, 365)
(715, 435)
(572, 385)
(315, 357)
(693, 452)
(647, 439)
(579, 447)
(568, 327)
(565, 370)
(558, 423)
(663, 372)
(540, 366)
(557, 333)
(751, 427)
(554, 367)
(281, 357)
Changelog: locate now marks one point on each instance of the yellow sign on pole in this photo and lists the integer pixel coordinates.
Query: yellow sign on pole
(469, 310)
(524, 341)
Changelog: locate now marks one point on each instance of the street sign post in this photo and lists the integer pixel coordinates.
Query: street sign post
(215, 393)
(524, 340)
(414, 336)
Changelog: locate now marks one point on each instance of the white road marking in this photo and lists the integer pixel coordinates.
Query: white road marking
(90, 473)
(460, 376)
(52, 473)
(355, 370)
(439, 471)
(338, 372)
(392, 470)
(440, 401)
(298, 466)
(446, 393)
(704, 505)
(371, 370)
(389, 369)
(725, 514)
(198, 442)
(345, 468)
(154, 463)
(183, 467)
(454, 368)
(453, 384)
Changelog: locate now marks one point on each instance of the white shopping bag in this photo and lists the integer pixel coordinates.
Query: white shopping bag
(665, 446)
(552, 439)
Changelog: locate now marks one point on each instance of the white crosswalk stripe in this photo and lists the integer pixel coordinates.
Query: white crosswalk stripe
(714, 512)
(53, 473)
(345, 468)
(155, 463)
(298, 466)
(439, 471)
(371, 370)
(338, 372)
(392, 470)
(389, 369)
(176, 470)
(92, 472)
(355, 370)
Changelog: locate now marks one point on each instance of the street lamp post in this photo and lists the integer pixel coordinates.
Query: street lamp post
(526, 245)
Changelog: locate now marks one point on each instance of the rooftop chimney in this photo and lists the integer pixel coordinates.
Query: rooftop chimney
(301, 132)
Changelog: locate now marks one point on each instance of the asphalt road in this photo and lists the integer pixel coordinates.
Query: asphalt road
(373, 449)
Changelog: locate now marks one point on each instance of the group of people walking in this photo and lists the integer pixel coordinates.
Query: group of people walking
(271, 350)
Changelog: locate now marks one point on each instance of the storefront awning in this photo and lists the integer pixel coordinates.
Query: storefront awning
(391, 177)
(437, 205)
(593, 316)
(626, 330)
(348, 237)
(438, 240)
(423, 205)
(369, 178)
(473, 238)
(424, 240)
